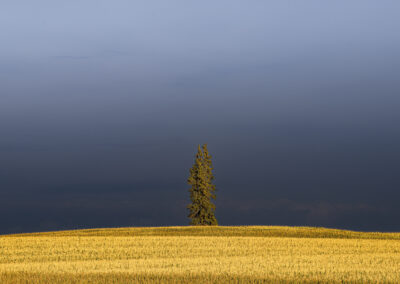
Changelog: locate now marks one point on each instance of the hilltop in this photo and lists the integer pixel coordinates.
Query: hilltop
(223, 231)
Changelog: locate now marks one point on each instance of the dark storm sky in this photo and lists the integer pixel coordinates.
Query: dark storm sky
(103, 103)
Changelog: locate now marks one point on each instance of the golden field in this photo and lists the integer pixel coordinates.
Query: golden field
(253, 254)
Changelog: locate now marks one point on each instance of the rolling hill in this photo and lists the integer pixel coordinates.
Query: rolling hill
(244, 254)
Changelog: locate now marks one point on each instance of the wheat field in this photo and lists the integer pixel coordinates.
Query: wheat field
(254, 254)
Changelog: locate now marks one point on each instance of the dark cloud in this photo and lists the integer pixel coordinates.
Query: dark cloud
(102, 106)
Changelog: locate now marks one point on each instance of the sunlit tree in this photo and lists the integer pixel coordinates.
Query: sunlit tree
(202, 190)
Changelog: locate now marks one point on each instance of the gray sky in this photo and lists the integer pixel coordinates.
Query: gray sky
(103, 103)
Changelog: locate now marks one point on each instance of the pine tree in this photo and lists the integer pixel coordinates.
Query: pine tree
(202, 190)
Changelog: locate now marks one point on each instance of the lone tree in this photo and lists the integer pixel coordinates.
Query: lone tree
(202, 191)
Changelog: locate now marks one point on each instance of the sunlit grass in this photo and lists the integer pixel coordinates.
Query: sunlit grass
(201, 254)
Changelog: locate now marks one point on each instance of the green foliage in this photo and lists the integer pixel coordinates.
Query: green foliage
(202, 191)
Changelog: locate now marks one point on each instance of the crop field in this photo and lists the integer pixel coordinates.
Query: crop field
(254, 254)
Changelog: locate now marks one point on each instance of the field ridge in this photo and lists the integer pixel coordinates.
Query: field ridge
(225, 231)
